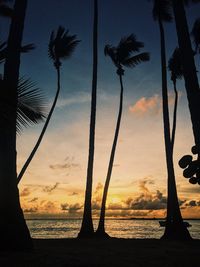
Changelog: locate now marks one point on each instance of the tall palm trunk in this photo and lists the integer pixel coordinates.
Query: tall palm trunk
(43, 130)
(175, 228)
(13, 230)
(101, 227)
(87, 229)
(189, 69)
(174, 115)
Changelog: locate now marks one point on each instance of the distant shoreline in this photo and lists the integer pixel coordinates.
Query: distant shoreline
(124, 219)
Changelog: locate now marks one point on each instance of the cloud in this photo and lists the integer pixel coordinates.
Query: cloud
(71, 208)
(148, 202)
(33, 199)
(79, 98)
(25, 192)
(99, 188)
(150, 105)
(68, 164)
(147, 105)
(31, 210)
(192, 203)
(50, 189)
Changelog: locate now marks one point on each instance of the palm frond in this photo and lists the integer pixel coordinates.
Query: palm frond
(135, 60)
(27, 48)
(127, 46)
(62, 44)
(162, 10)
(175, 65)
(31, 107)
(196, 34)
(111, 52)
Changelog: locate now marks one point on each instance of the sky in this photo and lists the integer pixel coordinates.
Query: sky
(54, 183)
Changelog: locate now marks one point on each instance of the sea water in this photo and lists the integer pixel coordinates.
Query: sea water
(69, 228)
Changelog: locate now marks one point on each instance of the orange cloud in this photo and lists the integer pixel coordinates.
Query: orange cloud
(150, 105)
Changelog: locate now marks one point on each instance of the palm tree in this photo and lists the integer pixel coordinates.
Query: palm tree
(61, 46)
(121, 56)
(14, 231)
(189, 68)
(175, 67)
(87, 229)
(175, 228)
(196, 35)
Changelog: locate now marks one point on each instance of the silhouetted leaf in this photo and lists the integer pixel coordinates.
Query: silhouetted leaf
(191, 169)
(135, 60)
(31, 107)
(194, 150)
(193, 180)
(185, 161)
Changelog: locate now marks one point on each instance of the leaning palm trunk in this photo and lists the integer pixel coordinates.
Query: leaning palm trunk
(189, 69)
(175, 228)
(28, 161)
(13, 230)
(101, 227)
(174, 115)
(87, 229)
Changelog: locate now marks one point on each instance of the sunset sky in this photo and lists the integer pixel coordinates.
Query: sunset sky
(55, 181)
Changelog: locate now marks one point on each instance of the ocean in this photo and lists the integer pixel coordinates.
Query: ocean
(69, 228)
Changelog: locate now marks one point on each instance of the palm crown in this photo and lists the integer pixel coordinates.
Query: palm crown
(175, 65)
(61, 45)
(162, 10)
(121, 55)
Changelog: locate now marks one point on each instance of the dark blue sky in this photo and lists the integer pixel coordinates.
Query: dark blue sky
(116, 19)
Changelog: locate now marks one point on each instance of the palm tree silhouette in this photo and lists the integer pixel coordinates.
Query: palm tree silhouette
(87, 229)
(175, 228)
(176, 69)
(61, 46)
(196, 35)
(122, 55)
(189, 68)
(14, 231)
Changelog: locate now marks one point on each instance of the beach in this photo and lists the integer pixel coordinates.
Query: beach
(109, 252)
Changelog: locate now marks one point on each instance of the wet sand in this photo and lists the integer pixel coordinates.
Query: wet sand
(112, 252)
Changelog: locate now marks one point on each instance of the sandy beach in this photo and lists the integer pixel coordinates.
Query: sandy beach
(111, 252)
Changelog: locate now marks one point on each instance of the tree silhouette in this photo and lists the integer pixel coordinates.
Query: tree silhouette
(13, 228)
(176, 69)
(122, 55)
(87, 229)
(189, 68)
(61, 46)
(175, 228)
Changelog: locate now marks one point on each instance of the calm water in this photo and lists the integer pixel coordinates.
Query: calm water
(116, 228)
